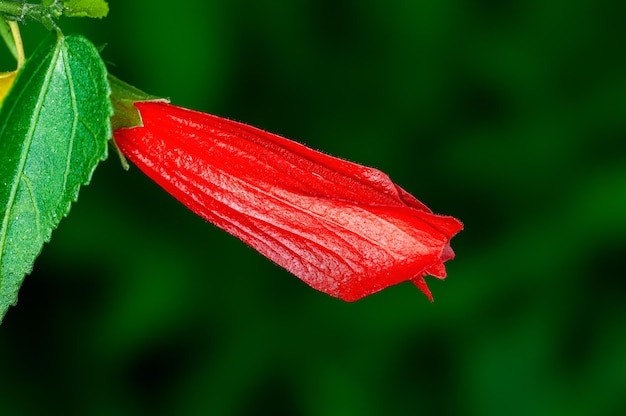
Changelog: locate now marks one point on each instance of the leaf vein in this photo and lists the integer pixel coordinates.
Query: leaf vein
(23, 156)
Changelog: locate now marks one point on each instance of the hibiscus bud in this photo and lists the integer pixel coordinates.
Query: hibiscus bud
(342, 228)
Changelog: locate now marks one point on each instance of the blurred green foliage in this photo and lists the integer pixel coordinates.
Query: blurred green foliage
(508, 115)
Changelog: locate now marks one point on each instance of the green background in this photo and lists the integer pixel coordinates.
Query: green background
(511, 116)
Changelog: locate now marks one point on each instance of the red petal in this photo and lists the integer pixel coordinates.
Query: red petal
(343, 228)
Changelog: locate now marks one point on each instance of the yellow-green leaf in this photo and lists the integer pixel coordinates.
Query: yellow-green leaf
(85, 8)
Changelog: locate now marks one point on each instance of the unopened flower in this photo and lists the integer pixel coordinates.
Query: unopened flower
(344, 229)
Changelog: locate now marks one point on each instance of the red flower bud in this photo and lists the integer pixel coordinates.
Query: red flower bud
(342, 228)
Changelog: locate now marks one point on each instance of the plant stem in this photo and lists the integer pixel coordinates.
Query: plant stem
(17, 10)
(13, 9)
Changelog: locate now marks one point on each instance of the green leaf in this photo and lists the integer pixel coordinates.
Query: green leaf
(54, 127)
(85, 8)
(5, 34)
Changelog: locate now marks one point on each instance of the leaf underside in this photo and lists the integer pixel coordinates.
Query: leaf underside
(54, 127)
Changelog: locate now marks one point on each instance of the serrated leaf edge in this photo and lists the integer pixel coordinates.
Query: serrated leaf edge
(59, 50)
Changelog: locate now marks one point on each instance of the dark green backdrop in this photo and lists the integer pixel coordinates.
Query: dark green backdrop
(508, 115)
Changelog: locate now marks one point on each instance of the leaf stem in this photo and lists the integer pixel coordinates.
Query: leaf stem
(19, 46)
